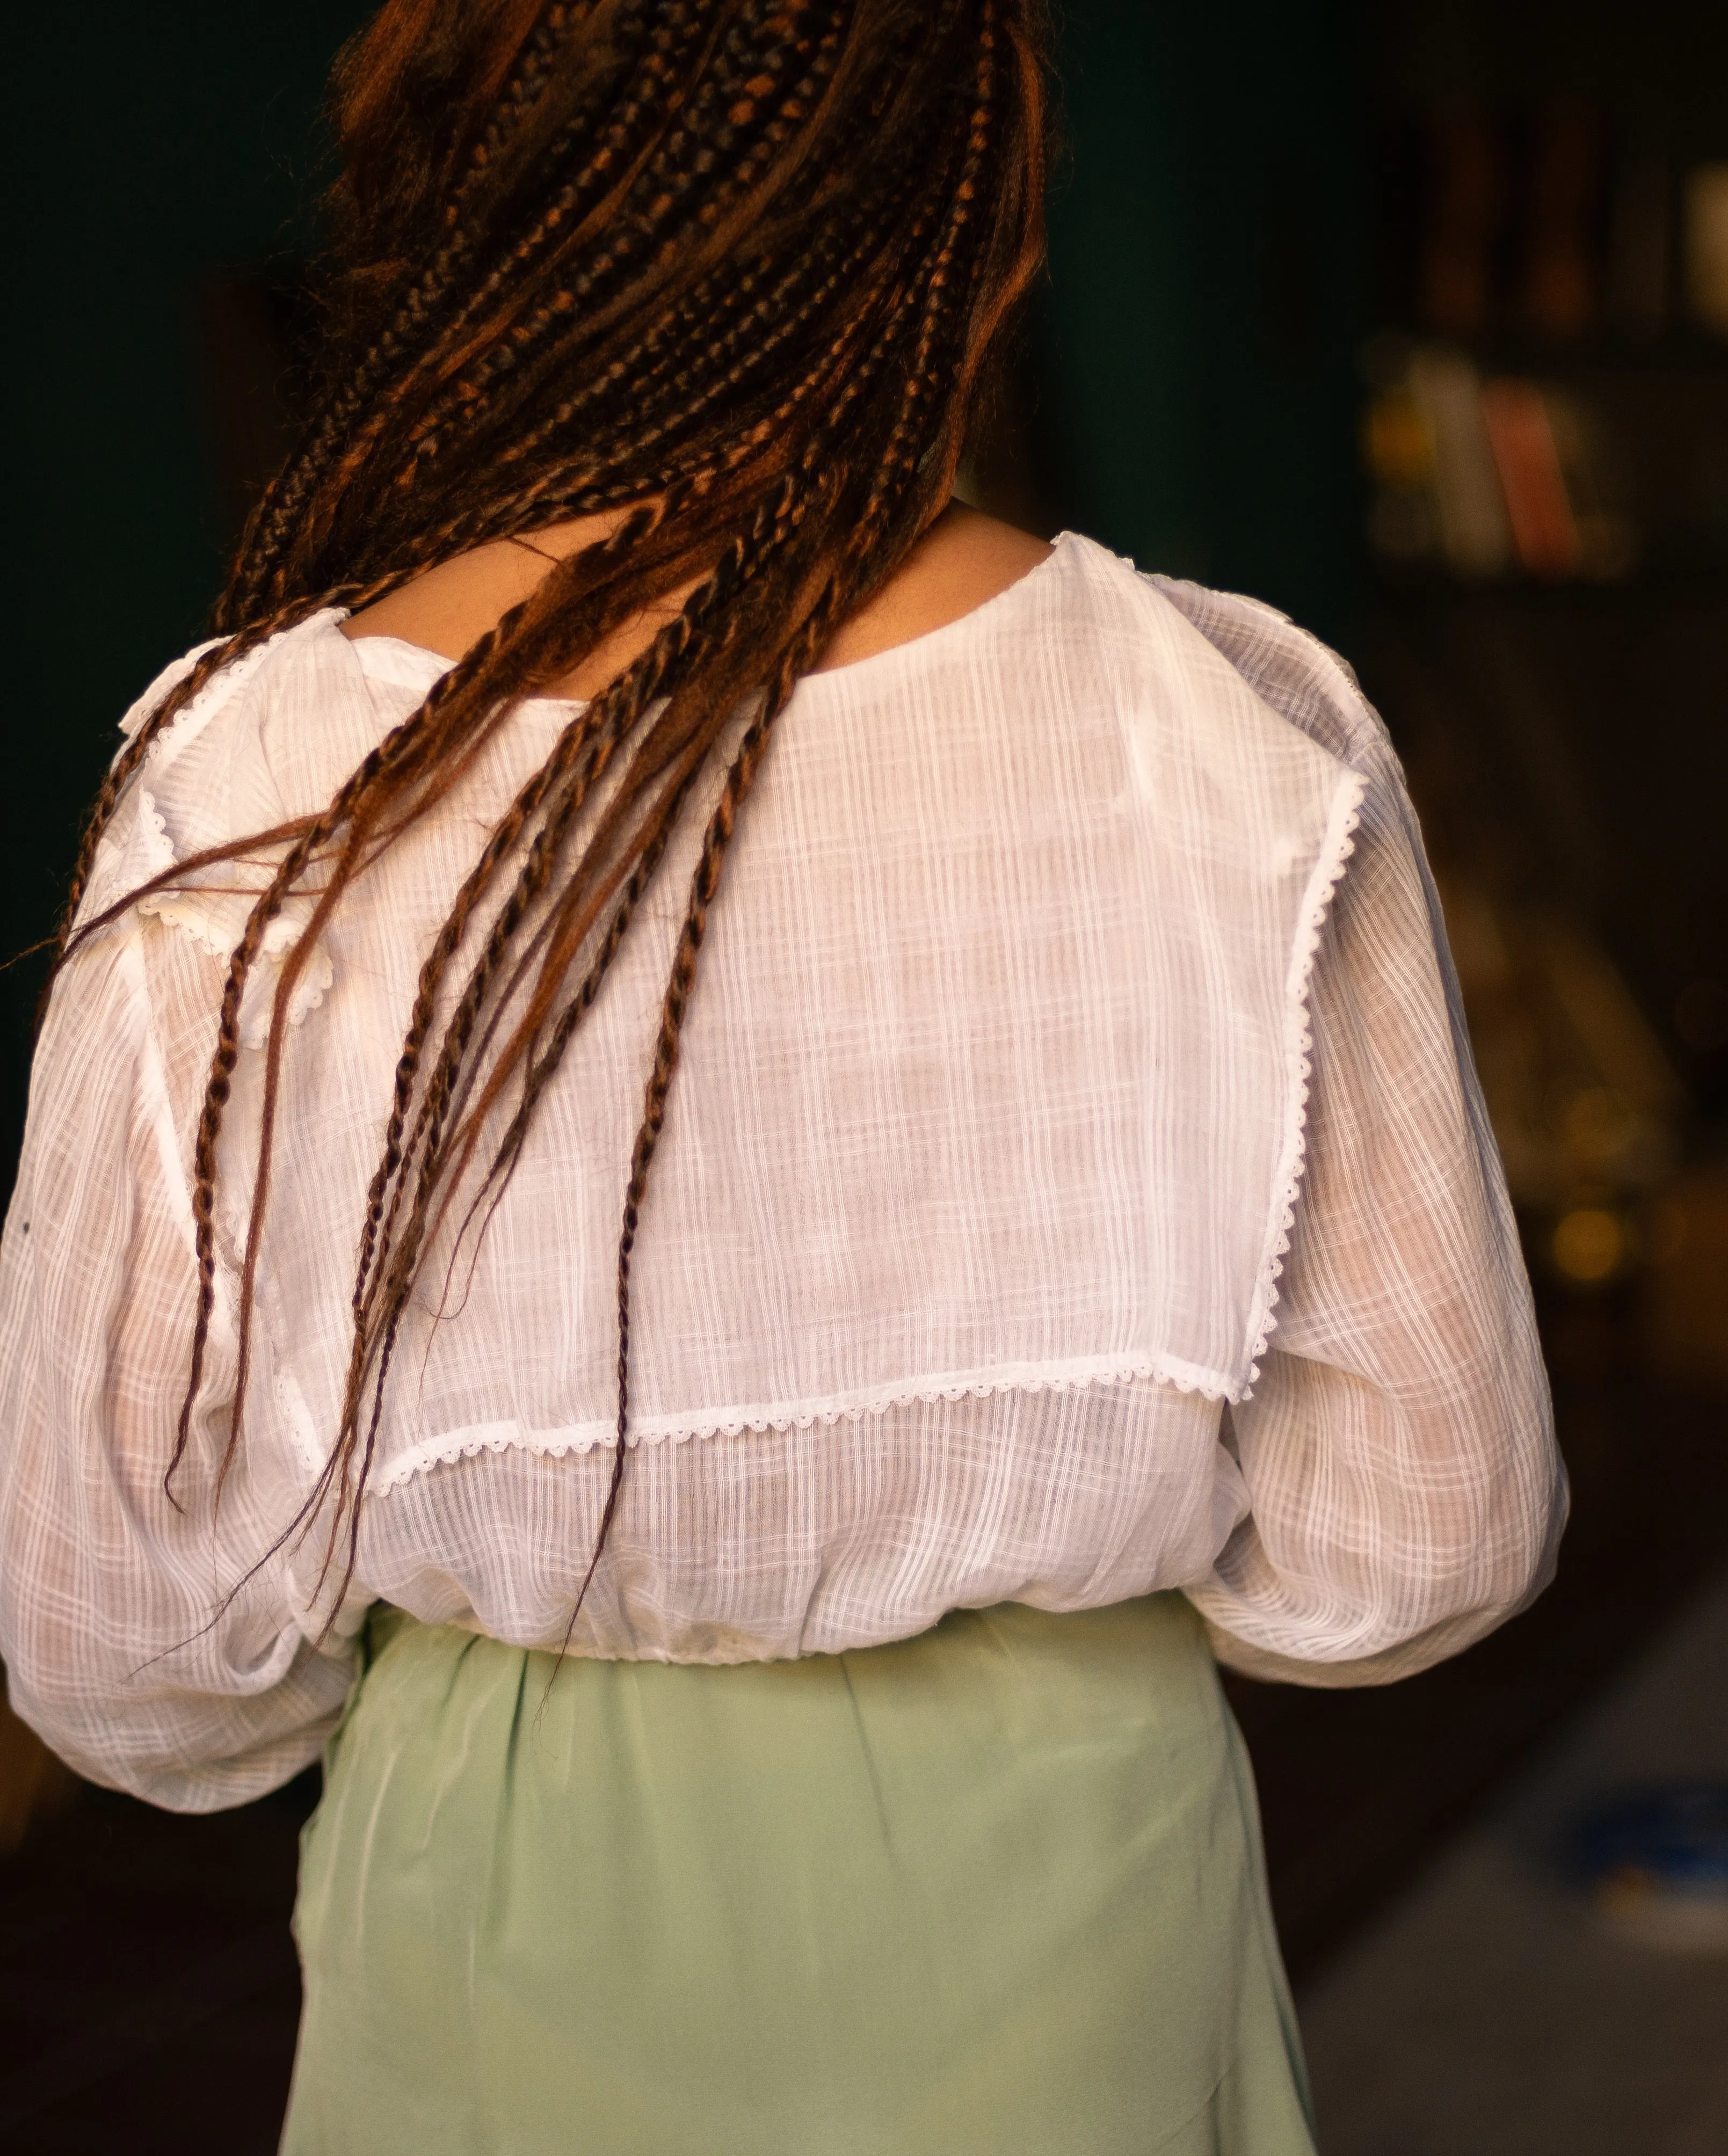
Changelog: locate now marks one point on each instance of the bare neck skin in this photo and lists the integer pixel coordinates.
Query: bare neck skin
(964, 559)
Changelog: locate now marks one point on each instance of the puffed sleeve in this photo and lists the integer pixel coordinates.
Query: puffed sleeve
(1406, 1494)
(138, 1638)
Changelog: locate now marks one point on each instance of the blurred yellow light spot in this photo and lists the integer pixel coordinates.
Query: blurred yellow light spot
(1399, 453)
(1589, 1244)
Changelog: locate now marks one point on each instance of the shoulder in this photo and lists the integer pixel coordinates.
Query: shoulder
(1205, 651)
(1196, 650)
(1302, 679)
(266, 738)
(270, 734)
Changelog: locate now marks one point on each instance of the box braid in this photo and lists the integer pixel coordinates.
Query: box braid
(728, 271)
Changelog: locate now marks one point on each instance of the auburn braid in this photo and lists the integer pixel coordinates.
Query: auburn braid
(473, 384)
(791, 511)
(557, 495)
(619, 142)
(704, 885)
(777, 311)
(735, 566)
(380, 1312)
(432, 729)
(273, 521)
(492, 389)
(722, 274)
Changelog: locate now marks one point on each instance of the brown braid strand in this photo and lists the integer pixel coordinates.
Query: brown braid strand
(726, 271)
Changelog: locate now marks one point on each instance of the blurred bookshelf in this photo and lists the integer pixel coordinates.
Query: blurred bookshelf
(1543, 462)
(1544, 440)
(1546, 395)
(1532, 361)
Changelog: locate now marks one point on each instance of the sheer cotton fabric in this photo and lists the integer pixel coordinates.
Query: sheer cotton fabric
(1074, 1186)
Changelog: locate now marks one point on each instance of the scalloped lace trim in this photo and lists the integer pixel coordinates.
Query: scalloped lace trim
(1074, 1376)
(186, 725)
(1346, 814)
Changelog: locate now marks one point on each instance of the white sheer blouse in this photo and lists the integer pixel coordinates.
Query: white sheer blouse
(1075, 1184)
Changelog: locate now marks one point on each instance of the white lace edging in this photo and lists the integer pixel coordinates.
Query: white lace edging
(1080, 1375)
(163, 686)
(186, 725)
(1339, 844)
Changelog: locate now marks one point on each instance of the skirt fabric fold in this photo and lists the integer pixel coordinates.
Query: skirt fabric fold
(997, 1890)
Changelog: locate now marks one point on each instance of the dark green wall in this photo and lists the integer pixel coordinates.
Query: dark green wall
(1194, 355)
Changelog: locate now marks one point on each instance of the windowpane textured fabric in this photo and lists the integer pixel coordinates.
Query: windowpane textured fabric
(1074, 1185)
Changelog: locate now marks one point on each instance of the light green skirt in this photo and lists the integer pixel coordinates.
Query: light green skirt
(997, 1890)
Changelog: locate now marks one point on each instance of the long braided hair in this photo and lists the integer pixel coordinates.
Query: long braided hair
(727, 271)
